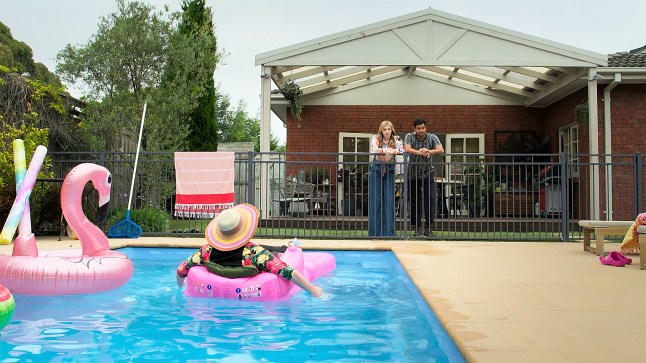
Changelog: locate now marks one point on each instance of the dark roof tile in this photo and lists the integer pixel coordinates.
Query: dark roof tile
(633, 58)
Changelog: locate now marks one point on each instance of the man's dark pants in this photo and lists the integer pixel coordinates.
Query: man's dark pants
(422, 196)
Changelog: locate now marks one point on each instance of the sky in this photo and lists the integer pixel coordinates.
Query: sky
(245, 28)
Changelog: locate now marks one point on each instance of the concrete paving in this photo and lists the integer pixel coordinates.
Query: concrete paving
(506, 301)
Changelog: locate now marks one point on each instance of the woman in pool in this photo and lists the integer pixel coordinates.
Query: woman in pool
(229, 245)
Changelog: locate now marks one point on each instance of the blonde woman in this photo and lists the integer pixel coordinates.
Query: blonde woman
(381, 187)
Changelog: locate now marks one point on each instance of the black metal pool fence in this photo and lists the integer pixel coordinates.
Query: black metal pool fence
(500, 197)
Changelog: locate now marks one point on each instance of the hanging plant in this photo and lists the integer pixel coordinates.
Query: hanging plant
(582, 113)
(293, 93)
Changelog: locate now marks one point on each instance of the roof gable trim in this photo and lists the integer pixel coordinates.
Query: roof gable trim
(280, 56)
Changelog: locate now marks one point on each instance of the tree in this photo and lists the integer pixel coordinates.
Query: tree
(30, 95)
(197, 22)
(18, 56)
(137, 54)
(127, 54)
(236, 125)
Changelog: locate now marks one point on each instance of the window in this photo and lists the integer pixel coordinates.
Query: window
(354, 143)
(569, 144)
(462, 144)
(353, 167)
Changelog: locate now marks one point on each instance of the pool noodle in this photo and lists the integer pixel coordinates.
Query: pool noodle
(18, 207)
(20, 166)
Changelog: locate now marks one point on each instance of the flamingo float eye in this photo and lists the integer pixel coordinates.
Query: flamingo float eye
(109, 180)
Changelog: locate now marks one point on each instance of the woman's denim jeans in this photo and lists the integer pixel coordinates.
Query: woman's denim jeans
(381, 207)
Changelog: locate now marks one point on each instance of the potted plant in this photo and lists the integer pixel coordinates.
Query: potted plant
(355, 189)
(293, 93)
(318, 175)
(478, 187)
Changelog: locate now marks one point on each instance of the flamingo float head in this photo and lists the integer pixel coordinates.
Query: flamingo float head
(91, 237)
(103, 187)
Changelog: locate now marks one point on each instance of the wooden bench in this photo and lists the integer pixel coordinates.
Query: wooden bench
(642, 247)
(602, 229)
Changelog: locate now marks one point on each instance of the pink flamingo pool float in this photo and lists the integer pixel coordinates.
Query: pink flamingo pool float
(93, 268)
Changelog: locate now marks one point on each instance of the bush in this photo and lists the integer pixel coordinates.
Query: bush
(149, 219)
(32, 137)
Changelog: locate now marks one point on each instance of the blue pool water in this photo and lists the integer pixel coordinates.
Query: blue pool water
(373, 313)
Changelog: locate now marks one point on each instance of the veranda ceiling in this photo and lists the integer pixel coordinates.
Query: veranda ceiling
(437, 47)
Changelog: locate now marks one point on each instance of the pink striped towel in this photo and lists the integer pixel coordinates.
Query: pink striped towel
(204, 183)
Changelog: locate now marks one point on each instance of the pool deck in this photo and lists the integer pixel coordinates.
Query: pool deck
(505, 301)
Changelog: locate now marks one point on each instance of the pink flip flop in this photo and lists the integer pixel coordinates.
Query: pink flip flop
(612, 259)
(621, 257)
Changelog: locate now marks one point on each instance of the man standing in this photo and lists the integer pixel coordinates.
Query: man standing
(420, 145)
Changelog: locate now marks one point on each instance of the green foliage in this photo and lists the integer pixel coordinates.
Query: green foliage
(235, 125)
(138, 54)
(294, 94)
(274, 145)
(19, 56)
(31, 95)
(32, 137)
(196, 23)
(582, 113)
(478, 186)
(318, 175)
(149, 219)
(120, 66)
(127, 54)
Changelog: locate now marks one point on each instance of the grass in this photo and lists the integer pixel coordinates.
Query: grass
(197, 227)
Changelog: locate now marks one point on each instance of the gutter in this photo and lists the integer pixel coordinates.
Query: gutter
(622, 70)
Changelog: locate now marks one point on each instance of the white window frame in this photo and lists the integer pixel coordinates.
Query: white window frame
(452, 183)
(570, 146)
(447, 147)
(355, 135)
(343, 135)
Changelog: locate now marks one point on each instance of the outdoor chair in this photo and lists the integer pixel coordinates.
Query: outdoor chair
(292, 196)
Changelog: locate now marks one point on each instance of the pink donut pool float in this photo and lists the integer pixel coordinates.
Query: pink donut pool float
(265, 286)
(94, 268)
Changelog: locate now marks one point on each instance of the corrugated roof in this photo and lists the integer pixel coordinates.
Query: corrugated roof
(633, 58)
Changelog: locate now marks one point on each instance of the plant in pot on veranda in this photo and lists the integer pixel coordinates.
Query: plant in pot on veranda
(354, 180)
(318, 175)
(478, 187)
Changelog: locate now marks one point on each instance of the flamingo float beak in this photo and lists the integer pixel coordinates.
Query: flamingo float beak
(104, 200)
(103, 211)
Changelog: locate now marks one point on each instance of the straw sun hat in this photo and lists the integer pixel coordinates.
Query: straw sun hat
(233, 227)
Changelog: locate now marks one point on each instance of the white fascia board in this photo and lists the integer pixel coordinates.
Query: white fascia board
(622, 70)
(594, 58)
(290, 55)
(341, 37)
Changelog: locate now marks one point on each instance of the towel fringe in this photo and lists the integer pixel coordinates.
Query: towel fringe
(200, 210)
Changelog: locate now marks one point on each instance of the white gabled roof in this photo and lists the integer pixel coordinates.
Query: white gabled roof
(439, 47)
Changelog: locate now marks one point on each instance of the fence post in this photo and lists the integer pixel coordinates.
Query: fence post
(638, 181)
(565, 197)
(250, 178)
(404, 195)
(102, 158)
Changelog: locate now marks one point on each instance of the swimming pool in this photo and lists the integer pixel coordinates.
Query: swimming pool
(373, 314)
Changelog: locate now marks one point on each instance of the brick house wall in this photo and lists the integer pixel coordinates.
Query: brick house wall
(628, 114)
(320, 125)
